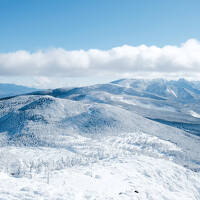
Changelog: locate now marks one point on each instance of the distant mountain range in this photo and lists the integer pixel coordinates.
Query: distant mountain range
(7, 90)
(182, 90)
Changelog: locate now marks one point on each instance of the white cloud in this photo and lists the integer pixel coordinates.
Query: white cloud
(125, 61)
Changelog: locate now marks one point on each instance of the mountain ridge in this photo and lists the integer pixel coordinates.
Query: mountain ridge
(175, 103)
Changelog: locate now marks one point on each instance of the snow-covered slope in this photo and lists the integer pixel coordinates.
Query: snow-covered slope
(141, 178)
(97, 142)
(49, 122)
(168, 102)
(39, 116)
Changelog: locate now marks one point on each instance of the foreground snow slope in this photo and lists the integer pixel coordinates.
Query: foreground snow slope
(110, 167)
(121, 179)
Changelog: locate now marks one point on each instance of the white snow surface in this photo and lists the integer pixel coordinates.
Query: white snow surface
(171, 91)
(194, 114)
(153, 179)
(57, 149)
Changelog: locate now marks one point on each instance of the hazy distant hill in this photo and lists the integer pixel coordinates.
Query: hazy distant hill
(12, 90)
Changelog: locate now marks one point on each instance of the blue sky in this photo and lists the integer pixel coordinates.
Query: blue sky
(103, 24)
(56, 43)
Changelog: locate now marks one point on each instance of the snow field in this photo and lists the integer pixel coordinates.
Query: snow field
(153, 179)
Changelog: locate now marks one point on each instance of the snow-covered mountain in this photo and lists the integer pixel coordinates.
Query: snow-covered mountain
(7, 90)
(180, 90)
(121, 140)
(175, 103)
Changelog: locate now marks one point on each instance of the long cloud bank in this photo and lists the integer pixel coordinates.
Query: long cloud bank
(124, 61)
